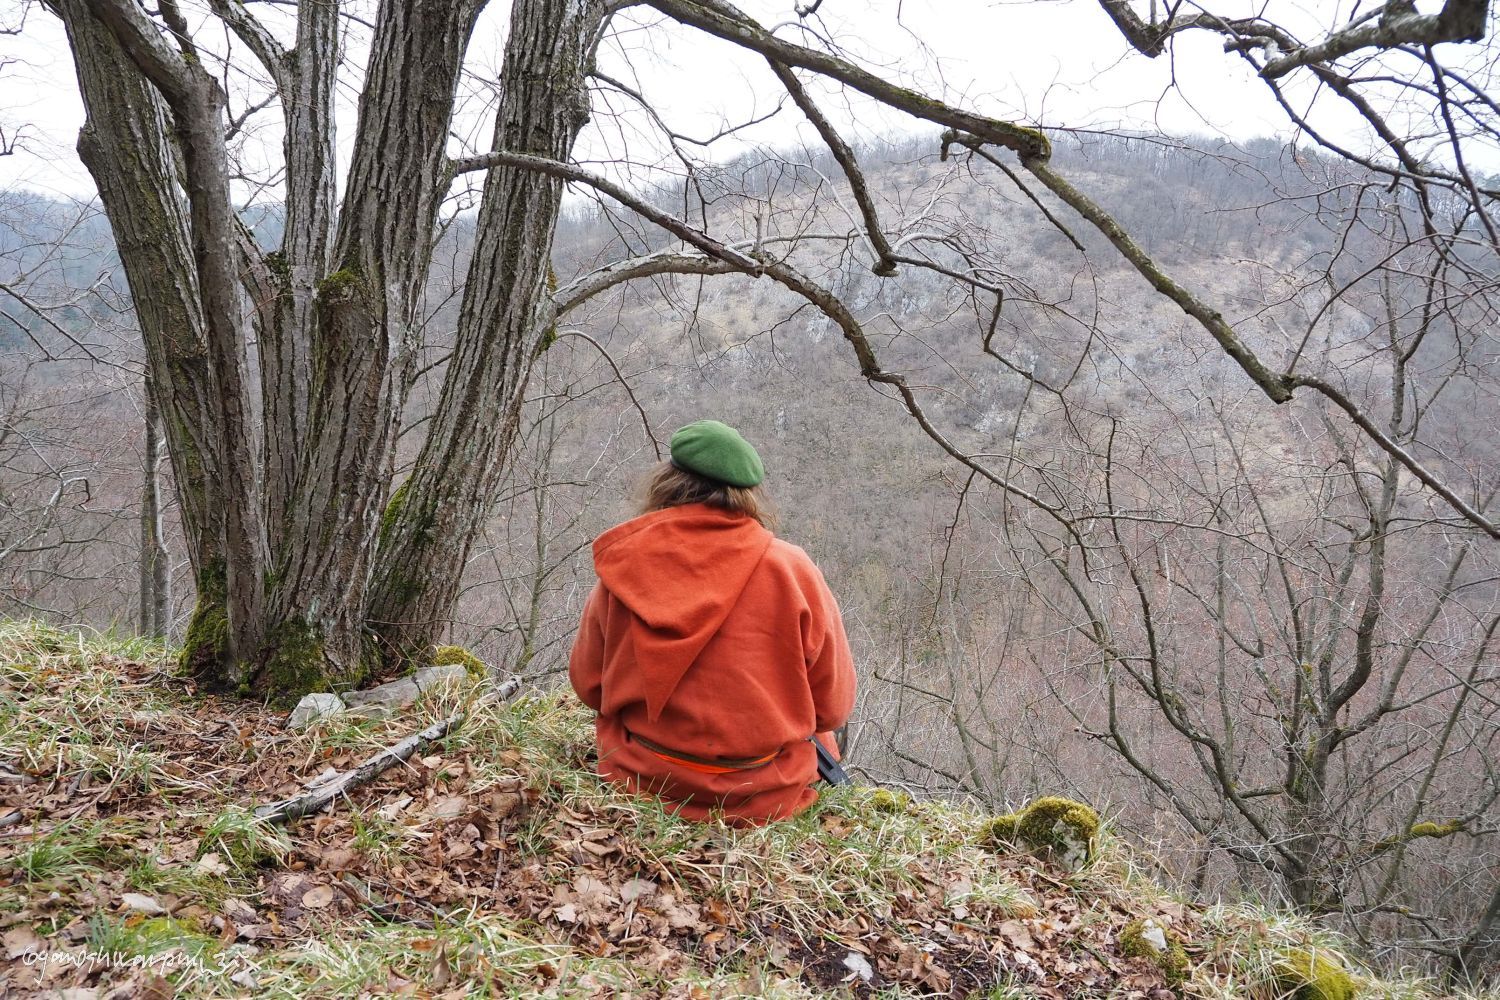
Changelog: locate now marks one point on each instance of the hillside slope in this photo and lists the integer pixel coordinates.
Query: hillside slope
(495, 864)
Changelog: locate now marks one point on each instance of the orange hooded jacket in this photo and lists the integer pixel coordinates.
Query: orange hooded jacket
(709, 636)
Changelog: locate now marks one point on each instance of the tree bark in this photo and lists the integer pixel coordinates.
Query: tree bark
(439, 511)
(197, 104)
(124, 143)
(360, 339)
(155, 595)
(282, 524)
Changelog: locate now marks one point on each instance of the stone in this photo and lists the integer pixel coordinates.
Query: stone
(313, 707)
(448, 673)
(404, 691)
(391, 695)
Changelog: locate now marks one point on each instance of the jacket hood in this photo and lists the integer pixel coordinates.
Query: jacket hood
(679, 571)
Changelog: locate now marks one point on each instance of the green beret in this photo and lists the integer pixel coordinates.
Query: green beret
(717, 451)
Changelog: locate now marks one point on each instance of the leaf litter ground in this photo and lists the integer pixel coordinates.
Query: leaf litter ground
(495, 863)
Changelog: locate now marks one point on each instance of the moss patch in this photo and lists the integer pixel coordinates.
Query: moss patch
(392, 513)
(1312, 975)
(1148, 939)
(443, 656)
(1053, 828)
(884, 800)
(205, 646)
(296, 664)
(342, 283)
(1447, 829)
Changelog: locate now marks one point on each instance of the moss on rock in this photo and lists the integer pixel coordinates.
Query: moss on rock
(1054, 828)
(1313, 975)
(1149, 939)
(443, 656)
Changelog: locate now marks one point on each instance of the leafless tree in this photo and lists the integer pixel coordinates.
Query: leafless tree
(67, 359)
(298, 581)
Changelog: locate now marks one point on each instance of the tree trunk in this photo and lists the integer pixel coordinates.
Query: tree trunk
(360, 338)
(154, 585)
(443, 506)
(124, 143)
(284, 519)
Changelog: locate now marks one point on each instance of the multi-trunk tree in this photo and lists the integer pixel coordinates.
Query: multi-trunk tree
(307, 570)
(282, 375)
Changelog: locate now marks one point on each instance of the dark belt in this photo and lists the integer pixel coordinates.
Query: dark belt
(710, 765)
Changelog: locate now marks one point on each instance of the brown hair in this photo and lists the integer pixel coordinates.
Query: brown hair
(668, 486)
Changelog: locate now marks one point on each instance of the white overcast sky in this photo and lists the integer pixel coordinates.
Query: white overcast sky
(1059, 63)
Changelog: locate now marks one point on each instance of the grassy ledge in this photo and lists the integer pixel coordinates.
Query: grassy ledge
(498, 865)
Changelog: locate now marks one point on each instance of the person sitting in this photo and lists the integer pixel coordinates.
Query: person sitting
(711, 650)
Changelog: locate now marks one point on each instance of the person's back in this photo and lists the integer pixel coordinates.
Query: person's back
(711, 650)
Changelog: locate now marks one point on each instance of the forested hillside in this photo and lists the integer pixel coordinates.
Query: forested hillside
(1177, 601)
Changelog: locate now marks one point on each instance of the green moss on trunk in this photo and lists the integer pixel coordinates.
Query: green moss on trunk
(343, 283)
(205, 646)
(392, 513)
(295, 664)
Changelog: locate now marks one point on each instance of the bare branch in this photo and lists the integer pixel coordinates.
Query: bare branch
(885, 260)
(729, 23)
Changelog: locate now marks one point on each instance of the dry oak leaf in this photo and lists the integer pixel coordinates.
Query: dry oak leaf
(210, 864)
(138, 903)
(1016, 935)
(317, 897)
(681, 916)
(20, 941)
(448, 806)
(636, 888)
(502, 804)
(587, 901)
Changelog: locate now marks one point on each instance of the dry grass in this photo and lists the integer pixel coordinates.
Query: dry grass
(497, 864)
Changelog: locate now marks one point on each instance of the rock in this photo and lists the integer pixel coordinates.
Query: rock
(1150, 940)
(1153, 936)
(404, 691)
(859, 966)
(392, 695)
(449, 673)
(313, 707)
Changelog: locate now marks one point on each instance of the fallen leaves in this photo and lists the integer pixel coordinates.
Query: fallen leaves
(138, 903)
(20, 941)
(475, 833)
(318, 897)
(210, 864)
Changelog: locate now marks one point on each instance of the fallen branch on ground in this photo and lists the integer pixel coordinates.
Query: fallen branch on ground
(325, 787)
